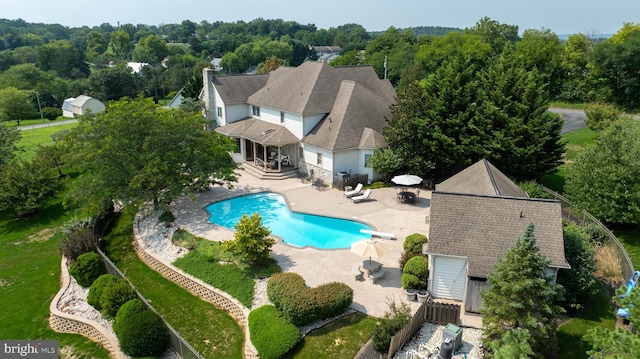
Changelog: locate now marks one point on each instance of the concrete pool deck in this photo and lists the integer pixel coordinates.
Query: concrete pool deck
(382, 212)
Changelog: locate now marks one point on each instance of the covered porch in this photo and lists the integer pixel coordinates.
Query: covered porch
(263, 145)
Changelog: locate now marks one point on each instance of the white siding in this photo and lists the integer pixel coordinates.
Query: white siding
(449, 277)
(235, 112)
(346, 161)
(311, 154)
(310, 122)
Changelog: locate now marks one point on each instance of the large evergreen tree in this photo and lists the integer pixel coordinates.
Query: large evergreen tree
(521, 296)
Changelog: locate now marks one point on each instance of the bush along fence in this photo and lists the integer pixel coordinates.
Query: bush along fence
(68, 323)
(429, 311)
(583, 218)
(176, 342)
(197, 287)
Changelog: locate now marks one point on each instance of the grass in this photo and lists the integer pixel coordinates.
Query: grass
(576, 142)
(597, 313)
(37, 121)
(31, 139)
(30, 278)
(340, 339)
(211, 331)
(630, 239)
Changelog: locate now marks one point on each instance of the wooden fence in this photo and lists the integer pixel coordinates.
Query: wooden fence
(429, 312)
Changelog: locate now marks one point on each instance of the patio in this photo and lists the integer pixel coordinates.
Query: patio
(316, 266)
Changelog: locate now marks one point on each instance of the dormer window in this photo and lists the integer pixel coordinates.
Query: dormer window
(255, 110)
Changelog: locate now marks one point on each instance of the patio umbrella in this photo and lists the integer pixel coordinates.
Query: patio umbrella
(406, 180)
(370, 248)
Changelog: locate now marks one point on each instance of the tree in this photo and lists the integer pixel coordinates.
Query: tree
(575, 65)
(62, 57)
(9, 137)
(113, 83)
(270, 64)
(385, 162)
(618, 343)
(579, 281)
(25, 186)
(600, 115)
(120, 43)
(251, 240)
(603, 179)
(16, 105)
(514, 344)
(96, 44)
(151, 49)
(136, 151)
(521, 295)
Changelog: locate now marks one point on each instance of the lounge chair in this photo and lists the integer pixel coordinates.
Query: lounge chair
(364, 197)
(356, 192)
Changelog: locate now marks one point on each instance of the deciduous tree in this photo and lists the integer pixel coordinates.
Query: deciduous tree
(16, 105)
(521, 296)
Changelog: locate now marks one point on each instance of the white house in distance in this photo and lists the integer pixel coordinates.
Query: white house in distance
(315, 119)
(81, 105)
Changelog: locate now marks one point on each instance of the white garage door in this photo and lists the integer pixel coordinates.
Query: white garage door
(449, 277)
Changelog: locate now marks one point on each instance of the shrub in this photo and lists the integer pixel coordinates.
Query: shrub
(128, 309)
(608, 262)
(404, 257)
(392, 321)
(413, 243)
(51, 113)
(271, 333)
(140, 332)
(579, 281)
(96, 289)
(415, 272)
(166, 216)
(114, 295)
(86, 269)
(596, 233)
(78, 238)
(302, 305)
(251, 242)
(533, 189)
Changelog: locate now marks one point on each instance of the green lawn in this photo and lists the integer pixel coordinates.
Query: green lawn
(597, 313)
(630, 239)
(211, 331)
(576, 141)
(31, 139)
(340, 339)
(30, 278)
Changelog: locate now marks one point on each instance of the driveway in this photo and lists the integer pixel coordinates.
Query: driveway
(573, 119)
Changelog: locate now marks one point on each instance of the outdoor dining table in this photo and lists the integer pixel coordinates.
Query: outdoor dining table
(371, 266)
(406, 196)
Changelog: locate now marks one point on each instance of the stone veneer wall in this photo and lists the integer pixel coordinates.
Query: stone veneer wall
(194, 285)
(68, 323)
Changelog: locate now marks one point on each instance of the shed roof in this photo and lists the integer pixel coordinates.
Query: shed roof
(482, 228)
(482, 178)
(259, 131)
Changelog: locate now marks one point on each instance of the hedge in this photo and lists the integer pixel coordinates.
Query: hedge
(302, 305)
(413, 243)
(96, 289)
(87, 268)
(271, 333)
(114, 295)
(140, 331)
(415, 273)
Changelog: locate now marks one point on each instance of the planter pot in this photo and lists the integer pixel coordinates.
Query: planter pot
(411, 294)
(422, 295)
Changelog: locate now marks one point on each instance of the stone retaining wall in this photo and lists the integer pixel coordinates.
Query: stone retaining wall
(196, 286)
(68, 323)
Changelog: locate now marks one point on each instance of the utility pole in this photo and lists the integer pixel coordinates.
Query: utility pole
(39, 107)
(385, 67)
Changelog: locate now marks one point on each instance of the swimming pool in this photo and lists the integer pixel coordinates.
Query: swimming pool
(294, 228)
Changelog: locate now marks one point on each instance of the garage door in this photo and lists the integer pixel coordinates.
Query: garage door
(449, 277)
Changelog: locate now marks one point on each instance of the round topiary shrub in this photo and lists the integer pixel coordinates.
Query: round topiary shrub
(114, 295)
(140, 331)
(271, 333)
(96, 289)
(128, 309)
(415, 273)
(413, 243)
(282, 285)
(87, 268)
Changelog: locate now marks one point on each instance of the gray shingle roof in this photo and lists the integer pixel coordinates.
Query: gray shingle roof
(259, 131)
(481, 178)
(354, 110)
(482, 228)
(236, 89)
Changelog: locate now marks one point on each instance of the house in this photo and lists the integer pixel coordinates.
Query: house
(476, 215)
(314, 119)
(136, 67)
(81, 105)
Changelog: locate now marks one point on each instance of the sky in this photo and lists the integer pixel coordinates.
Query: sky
(590, 17)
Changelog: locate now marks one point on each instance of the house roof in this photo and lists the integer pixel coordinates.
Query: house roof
(482, 228)
(81, 100)
(355, 109)
(236, 89)
(482, 178)
(259, 131)
(311, 88)
(67, 105)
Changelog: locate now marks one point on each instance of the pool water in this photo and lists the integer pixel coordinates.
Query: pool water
(294, 228)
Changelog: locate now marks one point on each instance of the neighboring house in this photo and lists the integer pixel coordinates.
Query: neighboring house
(476, 215)
(316, 119)
(327, 53)
(81, 105)
(176, 101)
(136, 67)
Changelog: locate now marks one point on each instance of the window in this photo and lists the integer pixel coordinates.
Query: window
(319, 159)
(237, 149)
(367, 160)
(281, 117)
(255, 110)
(220, 112)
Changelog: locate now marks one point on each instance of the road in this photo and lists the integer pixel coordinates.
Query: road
(573, 119)
(46, 124)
